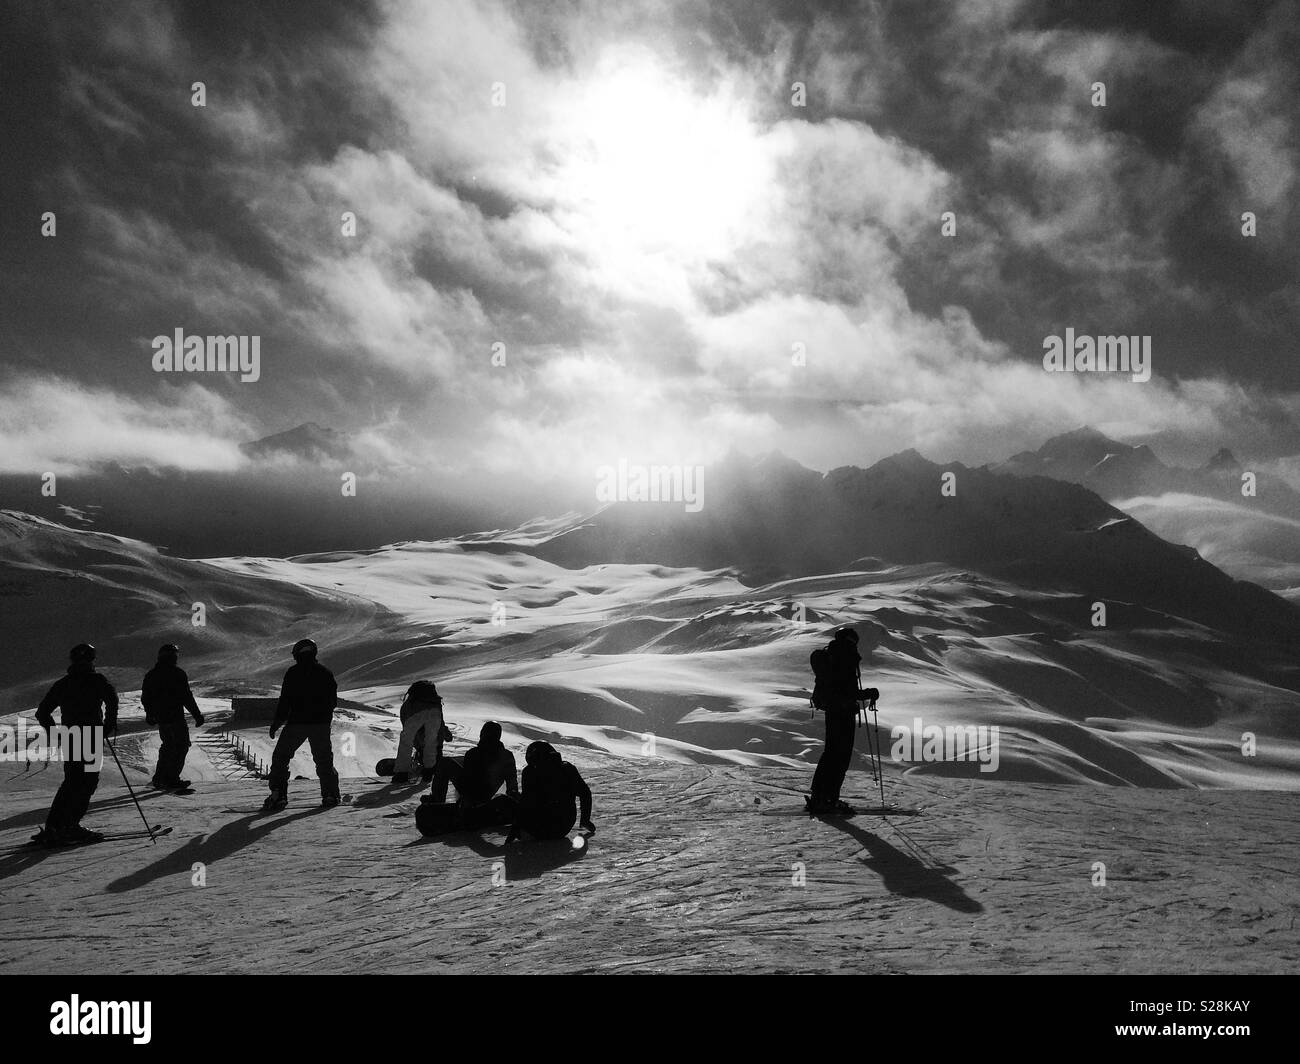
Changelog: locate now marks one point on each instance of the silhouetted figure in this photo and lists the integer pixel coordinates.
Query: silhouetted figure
(482, 772)
(308, 696)
(478, 777)
(837, 694)
(422, 727)
(550, 787)
(165, 695)
(85, 700)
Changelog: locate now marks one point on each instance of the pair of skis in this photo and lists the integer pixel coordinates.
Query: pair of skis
(152, 834)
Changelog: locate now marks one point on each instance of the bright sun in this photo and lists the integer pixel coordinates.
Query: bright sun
(655, 169)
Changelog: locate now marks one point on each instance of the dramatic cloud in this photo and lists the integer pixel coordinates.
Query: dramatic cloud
(594, 231)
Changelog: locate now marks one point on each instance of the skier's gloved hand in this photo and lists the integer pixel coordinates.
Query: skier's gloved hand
(274, 728)
(870, 694)
(445, 734)
(198, 720)
(589, 826)
(110, 729)
(45, 720)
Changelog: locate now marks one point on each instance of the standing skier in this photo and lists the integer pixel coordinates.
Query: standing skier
(86, 700)
(837, 693)
(308, 696)
(165, 695)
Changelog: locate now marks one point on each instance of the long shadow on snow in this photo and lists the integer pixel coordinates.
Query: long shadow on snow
(226, 840)
(522, 860)
(904, 874)
(389, 794)
(37, 816)
(12, 864)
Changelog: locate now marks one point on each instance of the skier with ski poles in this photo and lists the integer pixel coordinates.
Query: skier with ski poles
(86, 701)
(837, 692)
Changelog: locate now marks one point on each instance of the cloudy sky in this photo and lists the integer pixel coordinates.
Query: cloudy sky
(629, 199)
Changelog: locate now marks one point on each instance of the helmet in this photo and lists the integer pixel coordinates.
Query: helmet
(848, 633)
(82, 652)
(304, 648)
(168, 650)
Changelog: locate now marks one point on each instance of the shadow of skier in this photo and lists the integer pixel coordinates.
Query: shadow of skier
(36, 817)
(13, 864)
(904, 874)
(207, 849)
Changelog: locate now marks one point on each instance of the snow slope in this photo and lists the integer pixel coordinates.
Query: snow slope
(615, 657)
(687, 873)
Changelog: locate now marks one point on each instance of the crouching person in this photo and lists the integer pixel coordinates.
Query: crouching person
(422, 724)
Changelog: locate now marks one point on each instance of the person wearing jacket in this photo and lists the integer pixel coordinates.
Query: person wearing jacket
(840, 696)
(421, 717)
(308, 696)
(481, 773)
(165, 695)
(86, 700)
(551, 786)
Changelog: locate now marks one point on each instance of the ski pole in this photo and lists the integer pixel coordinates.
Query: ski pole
(112, 750)
(880, 772)
(871, 752)
(875, 747)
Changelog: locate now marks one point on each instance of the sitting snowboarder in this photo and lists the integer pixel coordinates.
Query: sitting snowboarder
(165, 695)
(550, 787)
(478, 777)
(481, 772)
(837, 694)
(423, 728)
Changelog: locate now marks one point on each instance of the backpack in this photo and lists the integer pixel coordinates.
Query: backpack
(820, 660)
(423, 691)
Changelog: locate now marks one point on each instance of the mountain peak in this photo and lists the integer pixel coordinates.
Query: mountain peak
(1224, 461)
(309, 442)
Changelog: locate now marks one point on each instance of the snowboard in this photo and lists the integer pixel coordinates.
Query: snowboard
(443, 818)
(32, 846)
(386, 766)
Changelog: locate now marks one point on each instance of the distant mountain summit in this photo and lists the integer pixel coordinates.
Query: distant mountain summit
(1117, 470)
(775, 520)
(308, 442)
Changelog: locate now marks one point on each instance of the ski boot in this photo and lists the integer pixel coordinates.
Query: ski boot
(275, 801)
(49, 838)
(80, 835)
